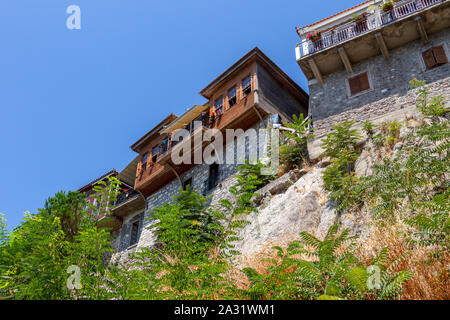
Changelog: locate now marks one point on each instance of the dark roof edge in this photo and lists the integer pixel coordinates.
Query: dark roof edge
(255, 52)
(109, 173)
(155, 129)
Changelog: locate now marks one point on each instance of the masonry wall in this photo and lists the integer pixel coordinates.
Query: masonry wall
(199, 174)
(330, 103)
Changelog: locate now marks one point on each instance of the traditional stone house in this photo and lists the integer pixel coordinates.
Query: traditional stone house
(359, 62)
(252, 94)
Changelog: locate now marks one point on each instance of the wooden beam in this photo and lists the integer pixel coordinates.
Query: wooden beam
(315, 70)
(345, 60)
(382, 45)
(421, 29)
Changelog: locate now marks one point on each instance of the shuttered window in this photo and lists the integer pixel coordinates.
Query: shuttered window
(359, 83)
(213, 176)
(187, 183)
(144, 162)
(247, 85)
(134, 233)
(434, 57)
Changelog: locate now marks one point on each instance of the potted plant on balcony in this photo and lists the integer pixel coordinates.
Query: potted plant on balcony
(314, 36)
(388, 6)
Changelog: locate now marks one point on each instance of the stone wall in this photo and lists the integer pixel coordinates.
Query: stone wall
(330, 103)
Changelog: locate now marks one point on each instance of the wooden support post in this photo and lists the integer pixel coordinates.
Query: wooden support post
(421, 29)
(345, 60)
(382, 45)
(315, 70)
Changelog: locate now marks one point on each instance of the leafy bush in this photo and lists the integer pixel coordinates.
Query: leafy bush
(294, 153)
(433, 107)
(342, 138)
(40, 250)
(331, 271)
(369, 128)
(414, 184)
(391, 130)
(340, 145)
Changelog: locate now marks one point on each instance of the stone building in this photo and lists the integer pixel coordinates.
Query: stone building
(359, 62)
(249, 97)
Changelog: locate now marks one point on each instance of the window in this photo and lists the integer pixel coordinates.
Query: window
(187, 183)
(144, 161)
(359, 84)
(232, 97)
(434, 57)
(213, 176)
(165, 145)
(155, 152)
(219, 106)
(134, 233)
(247, 85)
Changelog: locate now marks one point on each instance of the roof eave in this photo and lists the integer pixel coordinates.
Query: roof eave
(152, 132)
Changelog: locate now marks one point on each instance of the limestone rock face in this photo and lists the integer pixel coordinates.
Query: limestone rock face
(302, 207)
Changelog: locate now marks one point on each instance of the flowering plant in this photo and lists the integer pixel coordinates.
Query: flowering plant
(388, 6)
(314, 36)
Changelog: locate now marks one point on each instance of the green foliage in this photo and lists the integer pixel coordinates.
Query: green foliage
(379, 140)
(69, 208)
(368, 128)
(330, 271)
(340, 146)
(381, 280)
(414, 184)
(342, 138)
(433, 107)
(391, 130)
(294, 153)
(186, 220)
(432, 224)
(40, 250)
(195, 246)
(249, 176)
(187, 233)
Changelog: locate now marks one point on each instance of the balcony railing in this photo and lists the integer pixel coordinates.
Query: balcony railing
(372, 21)
(126, 196)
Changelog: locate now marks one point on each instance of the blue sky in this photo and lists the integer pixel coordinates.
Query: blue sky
(73, 101)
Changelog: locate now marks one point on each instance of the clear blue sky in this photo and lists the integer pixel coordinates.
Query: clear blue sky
(73, 101)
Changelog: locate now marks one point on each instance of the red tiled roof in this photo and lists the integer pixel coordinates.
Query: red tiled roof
(335, 15)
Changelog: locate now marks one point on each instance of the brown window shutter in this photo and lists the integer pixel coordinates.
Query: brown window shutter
(439, 54)
(355, 86)
(364, 82)
(139, 168)
(428, 58)
(149, 161)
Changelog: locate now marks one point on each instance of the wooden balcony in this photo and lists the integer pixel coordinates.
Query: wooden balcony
(188, 142)
(242, 115)
(128, 203)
